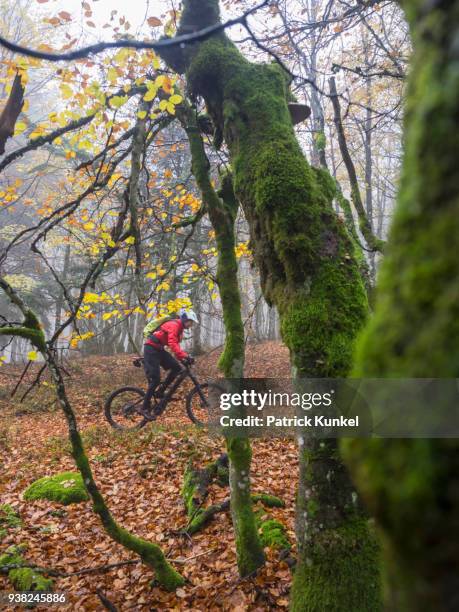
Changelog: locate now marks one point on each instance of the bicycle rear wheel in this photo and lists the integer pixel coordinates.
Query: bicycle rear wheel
(121, 408)
(199, 403)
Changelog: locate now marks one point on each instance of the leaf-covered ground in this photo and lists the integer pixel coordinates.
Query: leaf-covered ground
(140, 474)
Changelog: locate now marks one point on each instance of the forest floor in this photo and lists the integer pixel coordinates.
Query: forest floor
(140, 474)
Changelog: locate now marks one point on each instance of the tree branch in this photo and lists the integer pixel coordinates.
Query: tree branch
(11, 112)
(177, 41)
(374, 243)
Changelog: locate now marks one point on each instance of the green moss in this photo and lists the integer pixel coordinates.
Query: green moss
(273, 534)
(201, 517)
(248, 545)
(13, 555)
(321, 141)
(270, 501)
(312, 507)
(66, 488)
(188, 492)
(27, 579)
(222, 209)
(23, 578)
(350, 555)
(30, 330)
(9, 518)
(222, 475)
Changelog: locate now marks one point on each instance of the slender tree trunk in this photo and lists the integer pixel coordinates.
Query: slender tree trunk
(369, 174)
(308, 270)
(412, 486)
(222, 213)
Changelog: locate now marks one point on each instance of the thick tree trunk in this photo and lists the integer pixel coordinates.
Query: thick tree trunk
(412, 486)
(308, 270)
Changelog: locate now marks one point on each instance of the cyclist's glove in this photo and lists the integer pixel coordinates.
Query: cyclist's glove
(188, 360)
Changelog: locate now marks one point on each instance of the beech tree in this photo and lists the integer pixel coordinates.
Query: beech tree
(309, 270)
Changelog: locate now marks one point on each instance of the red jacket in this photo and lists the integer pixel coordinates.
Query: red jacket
(170, 334)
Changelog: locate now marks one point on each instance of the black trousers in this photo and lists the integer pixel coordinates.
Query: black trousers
(153, 360)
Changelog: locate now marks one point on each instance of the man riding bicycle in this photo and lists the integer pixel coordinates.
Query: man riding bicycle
(167, 334)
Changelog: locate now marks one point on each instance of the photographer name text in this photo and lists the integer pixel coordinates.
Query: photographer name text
(284, 421)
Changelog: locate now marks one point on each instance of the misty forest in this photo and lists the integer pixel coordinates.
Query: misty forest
(221, 191)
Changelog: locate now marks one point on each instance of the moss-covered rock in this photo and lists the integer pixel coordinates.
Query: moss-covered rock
(66, 488)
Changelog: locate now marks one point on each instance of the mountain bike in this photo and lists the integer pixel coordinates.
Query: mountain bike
(122, 407)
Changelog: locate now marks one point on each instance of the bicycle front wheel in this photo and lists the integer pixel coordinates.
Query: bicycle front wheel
(199, 402)
(121, 408)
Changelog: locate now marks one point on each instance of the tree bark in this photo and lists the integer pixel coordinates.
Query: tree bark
(412, 486)
(309, 271)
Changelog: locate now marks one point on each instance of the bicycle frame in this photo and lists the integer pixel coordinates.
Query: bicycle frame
(160, 405)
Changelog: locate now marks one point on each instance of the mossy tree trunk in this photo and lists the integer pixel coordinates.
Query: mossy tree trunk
(222, 209)
(412, 486)
(309, 271)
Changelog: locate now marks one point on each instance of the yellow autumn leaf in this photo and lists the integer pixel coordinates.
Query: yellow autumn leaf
(118, 101)
(163, 105)
(151, 275)
(107, 315)
(66, 91)
(121, 56)
(32, 355)
(130, 240)
(142, 114)
(88, 226)
(112, 75)
(19, 127)
(175, 99)
(150, 95)
(91, 298)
